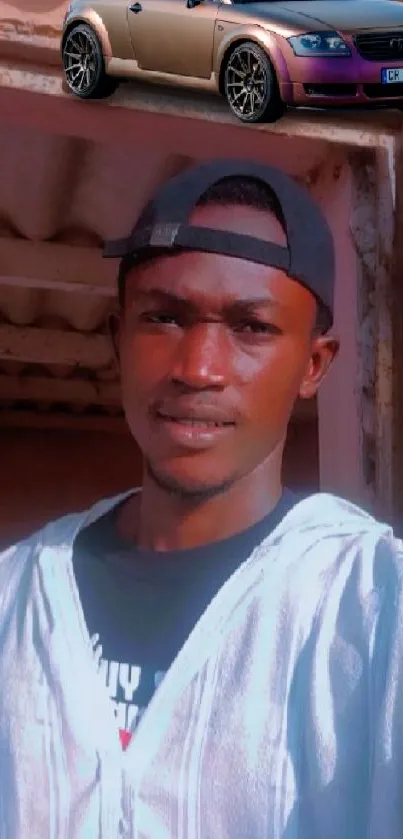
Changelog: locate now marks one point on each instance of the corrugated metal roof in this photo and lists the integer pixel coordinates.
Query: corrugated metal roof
(60, 198)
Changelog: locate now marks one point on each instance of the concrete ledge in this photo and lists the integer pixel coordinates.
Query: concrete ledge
(369, 129)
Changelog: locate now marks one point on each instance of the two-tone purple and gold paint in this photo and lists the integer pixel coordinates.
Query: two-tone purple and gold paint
(260, 54)
(353, 55)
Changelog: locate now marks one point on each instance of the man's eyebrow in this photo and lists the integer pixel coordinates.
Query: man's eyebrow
(160, 295)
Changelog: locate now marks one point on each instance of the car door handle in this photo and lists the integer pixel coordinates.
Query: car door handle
(136, 8)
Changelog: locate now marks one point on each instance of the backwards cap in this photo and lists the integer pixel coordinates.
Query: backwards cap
(164, 227)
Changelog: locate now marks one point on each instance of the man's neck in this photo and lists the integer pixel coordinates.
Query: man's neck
(158, 520)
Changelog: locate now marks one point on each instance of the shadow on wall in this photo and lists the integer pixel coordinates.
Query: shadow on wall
(48, 473)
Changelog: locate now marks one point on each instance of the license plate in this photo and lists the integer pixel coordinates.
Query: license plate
(392, 75)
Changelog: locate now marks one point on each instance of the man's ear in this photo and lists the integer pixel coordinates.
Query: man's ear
(324, 351)
(114, 332)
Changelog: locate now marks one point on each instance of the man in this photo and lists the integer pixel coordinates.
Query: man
(248, 647)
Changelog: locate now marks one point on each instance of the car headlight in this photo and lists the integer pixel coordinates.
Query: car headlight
(319, 43)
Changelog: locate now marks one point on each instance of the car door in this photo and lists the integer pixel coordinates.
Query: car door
(173, 36)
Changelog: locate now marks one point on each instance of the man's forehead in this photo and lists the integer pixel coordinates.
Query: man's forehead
(161, 294)
(207, 281)
(240, 218)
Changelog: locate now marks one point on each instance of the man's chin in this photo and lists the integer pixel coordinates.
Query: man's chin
(188, 486)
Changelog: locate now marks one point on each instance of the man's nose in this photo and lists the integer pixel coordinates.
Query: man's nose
(201, 360)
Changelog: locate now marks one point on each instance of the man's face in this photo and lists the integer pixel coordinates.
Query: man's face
(213, 352)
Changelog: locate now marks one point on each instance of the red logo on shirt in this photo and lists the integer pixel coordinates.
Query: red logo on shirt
(125, 737)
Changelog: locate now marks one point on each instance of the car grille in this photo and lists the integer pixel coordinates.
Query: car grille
(380, 46)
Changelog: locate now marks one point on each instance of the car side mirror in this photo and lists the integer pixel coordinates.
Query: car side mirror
(191, 4)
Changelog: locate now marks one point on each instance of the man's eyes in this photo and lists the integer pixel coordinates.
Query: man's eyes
(159, 318)
(256, 327)
(246, 327)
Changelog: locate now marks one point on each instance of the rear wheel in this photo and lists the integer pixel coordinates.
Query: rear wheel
(250, 85)
(84, 66)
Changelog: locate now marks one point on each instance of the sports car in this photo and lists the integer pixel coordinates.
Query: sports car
(261, 55)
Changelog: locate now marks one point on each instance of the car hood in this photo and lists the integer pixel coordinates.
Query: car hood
(310, 15)
(353, 15)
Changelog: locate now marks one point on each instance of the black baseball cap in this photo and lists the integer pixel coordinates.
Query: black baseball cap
(163, 227)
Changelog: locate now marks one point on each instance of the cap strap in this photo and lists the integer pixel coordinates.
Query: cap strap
(172, 236)
(229, 243)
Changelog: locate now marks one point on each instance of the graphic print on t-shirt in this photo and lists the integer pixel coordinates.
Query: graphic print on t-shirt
(130, 687)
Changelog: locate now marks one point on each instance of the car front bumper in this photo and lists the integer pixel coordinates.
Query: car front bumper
(338, 81)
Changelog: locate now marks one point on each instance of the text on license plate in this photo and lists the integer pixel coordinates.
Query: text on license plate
(392, 75)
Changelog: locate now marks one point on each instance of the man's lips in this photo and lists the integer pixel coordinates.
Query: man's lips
(208, 416)
(195, 422)
(193, 428)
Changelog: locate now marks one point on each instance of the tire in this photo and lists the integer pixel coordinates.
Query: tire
(250, 85)
(83, 64)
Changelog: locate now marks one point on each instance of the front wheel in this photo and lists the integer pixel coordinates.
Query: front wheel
(250, 85)
(84, 66)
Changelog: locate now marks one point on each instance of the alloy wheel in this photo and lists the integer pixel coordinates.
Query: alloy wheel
(246, 83)
(80, 61)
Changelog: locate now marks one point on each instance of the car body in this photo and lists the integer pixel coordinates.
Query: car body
(318, 53)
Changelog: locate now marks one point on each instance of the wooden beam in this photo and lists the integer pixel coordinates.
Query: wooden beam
(67, 391)
(57, 267)
(31, 345)
(58, 420)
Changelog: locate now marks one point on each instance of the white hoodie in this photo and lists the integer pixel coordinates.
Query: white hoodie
(281, 718)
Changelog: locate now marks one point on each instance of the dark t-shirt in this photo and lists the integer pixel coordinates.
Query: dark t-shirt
(140, 606)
